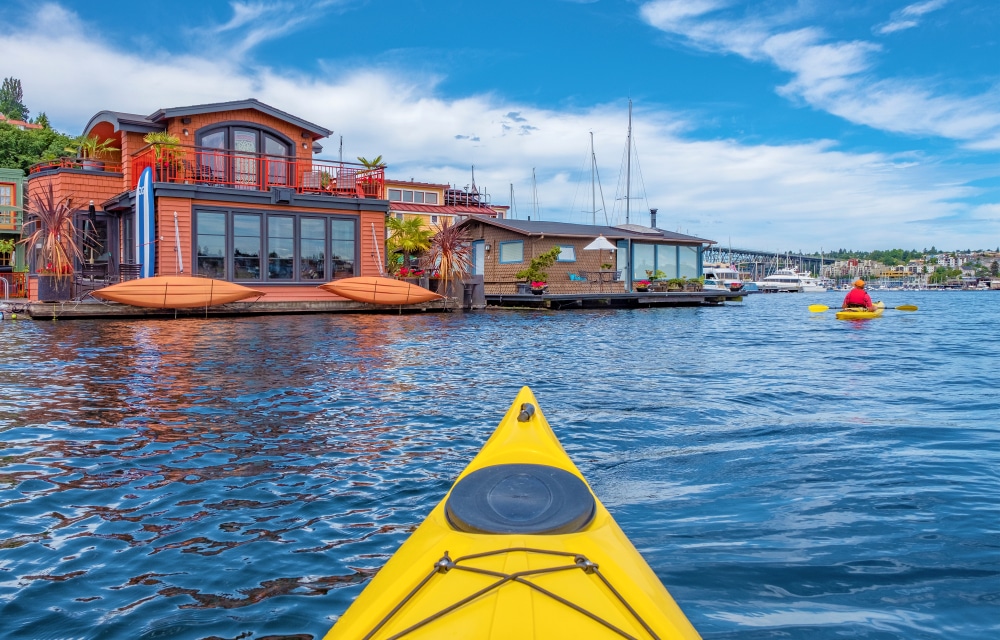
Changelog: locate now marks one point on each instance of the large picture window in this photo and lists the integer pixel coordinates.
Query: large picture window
(277, 248)
(688, 262)
(244, 156)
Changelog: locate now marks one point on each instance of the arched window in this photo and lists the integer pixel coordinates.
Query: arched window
(244, 155)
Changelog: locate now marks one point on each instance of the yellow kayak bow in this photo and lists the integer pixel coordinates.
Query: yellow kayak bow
(520, 547)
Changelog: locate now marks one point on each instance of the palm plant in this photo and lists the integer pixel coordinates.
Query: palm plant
(49, 226)
(451, 254)
(371, 164)
(92, 147)
(407, 236)
(162, 143)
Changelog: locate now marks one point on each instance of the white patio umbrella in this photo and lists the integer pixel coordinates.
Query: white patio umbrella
(600, 242)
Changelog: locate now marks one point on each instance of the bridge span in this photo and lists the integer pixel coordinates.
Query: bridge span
(760, 264)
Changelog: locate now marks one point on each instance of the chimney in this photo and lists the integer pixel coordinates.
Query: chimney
(652, 218)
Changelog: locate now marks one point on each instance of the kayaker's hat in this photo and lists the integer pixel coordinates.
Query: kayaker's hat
(859, 283)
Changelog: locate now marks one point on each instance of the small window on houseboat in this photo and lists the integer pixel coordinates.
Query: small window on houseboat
(418, 197)
(407, 196)
(434, 219)
(395, 195)
(511, 252)
(567, 253)
(430, 198)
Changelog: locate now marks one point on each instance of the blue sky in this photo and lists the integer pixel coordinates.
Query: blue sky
(781, 125)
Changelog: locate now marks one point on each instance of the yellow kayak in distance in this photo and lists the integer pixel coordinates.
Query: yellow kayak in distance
(520, 547)
(862, 314)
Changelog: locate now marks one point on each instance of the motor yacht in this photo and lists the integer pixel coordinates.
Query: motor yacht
(721, 277)
(792, 281)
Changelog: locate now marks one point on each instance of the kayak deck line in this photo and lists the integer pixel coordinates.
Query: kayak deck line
(446, 564)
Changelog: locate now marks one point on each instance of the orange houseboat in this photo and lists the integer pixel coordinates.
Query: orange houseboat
(241, 199)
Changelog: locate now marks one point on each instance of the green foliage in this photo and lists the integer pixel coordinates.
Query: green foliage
(19, 149)
(92, 147)
(535, 272)
(407, 236)
(12, 100)
(6, 246)
(994, 269)
(941, 275)
(371, 164)
(163, 143)
(49, 226)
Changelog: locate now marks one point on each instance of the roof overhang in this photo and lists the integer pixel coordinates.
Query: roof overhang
(200, 109)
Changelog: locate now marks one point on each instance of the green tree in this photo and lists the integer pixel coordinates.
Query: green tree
(407, 236)
(19, 149)
(12, 100)
(536, 270)
(994, 269)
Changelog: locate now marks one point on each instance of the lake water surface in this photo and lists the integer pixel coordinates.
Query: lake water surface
(787, 475)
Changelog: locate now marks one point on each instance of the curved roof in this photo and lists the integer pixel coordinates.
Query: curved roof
(154, 122)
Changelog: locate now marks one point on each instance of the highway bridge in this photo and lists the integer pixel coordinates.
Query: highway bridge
(760, 264)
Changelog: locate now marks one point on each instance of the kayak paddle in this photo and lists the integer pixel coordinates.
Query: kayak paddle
(820, 308)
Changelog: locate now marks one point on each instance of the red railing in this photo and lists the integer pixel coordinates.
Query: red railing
(255, 171)
(83, 164)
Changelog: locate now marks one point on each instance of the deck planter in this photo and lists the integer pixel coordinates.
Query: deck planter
(54, 288)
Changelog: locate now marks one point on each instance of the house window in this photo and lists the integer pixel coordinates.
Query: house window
(399, 215)
(246, 246)
(511, 252)
(410, 195)
(434, 219)
(666, 259)
(688, 263)
(312, 248)
(280, 248)
(212, 230)
(567, 253)
(299, 248)
(244, 156)
(6, 195)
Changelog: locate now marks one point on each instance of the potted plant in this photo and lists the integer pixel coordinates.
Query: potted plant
(538, 287)
(166, 153)
(535, 273)
(642, 285)
(91, 150)
(49, 227)
(6, 251)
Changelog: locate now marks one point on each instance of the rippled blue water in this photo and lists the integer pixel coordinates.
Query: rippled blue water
(784, 473)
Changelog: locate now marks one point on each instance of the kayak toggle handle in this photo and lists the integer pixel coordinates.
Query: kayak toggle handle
(527, 410)
(588, 566)
(445, 564)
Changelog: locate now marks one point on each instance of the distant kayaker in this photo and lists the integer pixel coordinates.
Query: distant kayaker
(858, 298)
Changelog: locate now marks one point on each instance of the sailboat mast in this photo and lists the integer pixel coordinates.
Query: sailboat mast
(534, 194)
(628, 163)
(593, 179)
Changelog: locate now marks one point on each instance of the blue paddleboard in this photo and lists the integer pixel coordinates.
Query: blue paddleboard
(145, 215)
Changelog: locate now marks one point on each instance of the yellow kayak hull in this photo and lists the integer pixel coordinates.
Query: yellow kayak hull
(856, 314)
(516, 585)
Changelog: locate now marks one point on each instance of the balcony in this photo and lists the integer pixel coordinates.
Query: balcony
(258, 172)
(79, 164)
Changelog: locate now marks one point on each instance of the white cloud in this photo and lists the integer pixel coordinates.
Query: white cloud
(836, 76)
(776, 197)
(909, 17)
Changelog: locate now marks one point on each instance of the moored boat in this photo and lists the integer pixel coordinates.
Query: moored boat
(721, 277)
(790, 281)
(175, 292)
(520, 547)
(378, 290)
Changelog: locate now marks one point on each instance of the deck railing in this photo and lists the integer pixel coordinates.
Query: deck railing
(258, 172)
(82, 164)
